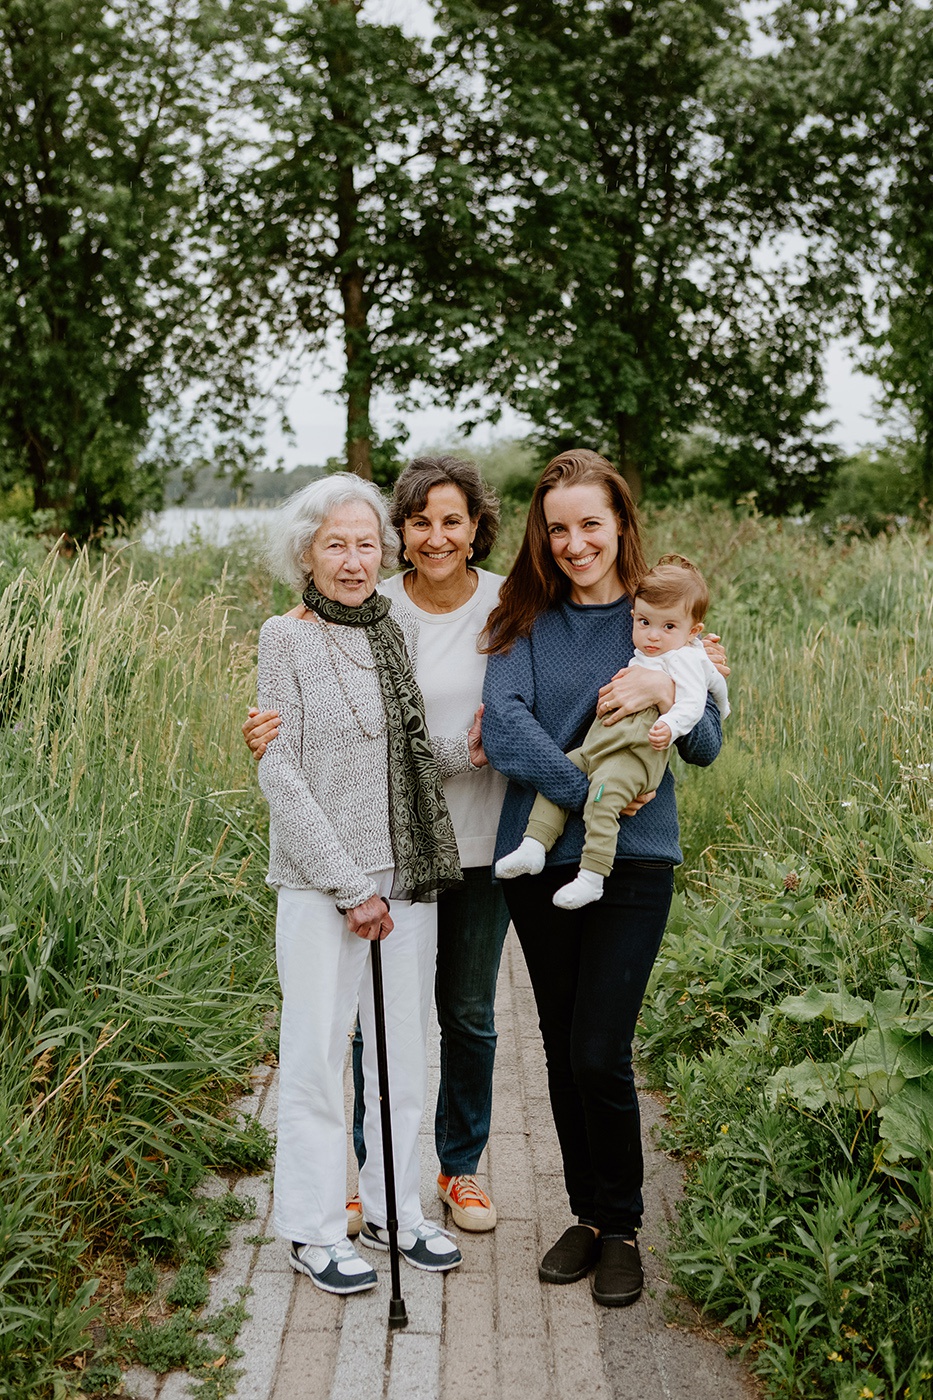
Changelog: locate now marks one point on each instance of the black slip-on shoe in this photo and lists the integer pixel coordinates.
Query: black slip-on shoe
(572, 1257)
(618, 1279)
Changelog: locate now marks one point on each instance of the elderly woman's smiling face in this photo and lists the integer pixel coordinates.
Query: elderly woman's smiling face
(346, 553)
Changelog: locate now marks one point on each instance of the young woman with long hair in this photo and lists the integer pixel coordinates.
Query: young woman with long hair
(562, 629)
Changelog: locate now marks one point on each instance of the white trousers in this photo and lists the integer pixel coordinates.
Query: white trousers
(324, 970)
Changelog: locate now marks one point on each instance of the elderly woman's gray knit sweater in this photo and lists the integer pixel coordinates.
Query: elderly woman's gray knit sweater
(325, 776)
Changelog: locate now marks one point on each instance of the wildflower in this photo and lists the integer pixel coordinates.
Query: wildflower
(792, 881)
(724, 1127)
(845, 804)
(834, 1356)
(866, 1394)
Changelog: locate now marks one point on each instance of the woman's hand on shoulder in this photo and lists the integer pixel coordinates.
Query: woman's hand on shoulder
(478, 758)
(371, 919)
(259, 730)
(631, 690)
(716, 653)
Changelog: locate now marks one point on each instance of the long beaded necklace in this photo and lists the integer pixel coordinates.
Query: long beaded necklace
(330, 641)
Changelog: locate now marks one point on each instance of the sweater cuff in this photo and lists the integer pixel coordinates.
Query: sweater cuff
(350, 899)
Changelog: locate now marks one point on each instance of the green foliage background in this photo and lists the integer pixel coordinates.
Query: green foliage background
(135, 956)
(789, 1021)
(637, 224)
(789, 1018)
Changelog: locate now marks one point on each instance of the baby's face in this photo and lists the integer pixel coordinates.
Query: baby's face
(656, 630)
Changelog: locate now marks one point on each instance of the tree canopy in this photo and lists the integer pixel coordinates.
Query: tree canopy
(105, 300)
(625, 220)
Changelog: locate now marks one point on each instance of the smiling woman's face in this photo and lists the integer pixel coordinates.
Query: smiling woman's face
(583, 532)
(438, 537)
(345, 554)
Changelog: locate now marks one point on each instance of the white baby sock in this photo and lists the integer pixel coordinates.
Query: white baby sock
(585, 889)
(527, 859)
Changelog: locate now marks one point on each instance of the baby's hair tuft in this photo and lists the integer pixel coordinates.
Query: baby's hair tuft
(675, 581)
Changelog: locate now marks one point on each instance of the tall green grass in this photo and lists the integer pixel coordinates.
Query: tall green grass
(135, 952)
(790, 1017)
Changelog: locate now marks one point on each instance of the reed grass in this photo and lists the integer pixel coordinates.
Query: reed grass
(135, 953)
(809, 882)
(135, 948)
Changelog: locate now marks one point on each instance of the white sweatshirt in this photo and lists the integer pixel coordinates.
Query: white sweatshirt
(450, 672)
(693, 675)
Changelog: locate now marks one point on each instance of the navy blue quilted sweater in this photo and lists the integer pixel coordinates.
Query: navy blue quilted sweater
(540, 700)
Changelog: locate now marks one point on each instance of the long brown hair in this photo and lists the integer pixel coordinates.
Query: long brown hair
(536, 584)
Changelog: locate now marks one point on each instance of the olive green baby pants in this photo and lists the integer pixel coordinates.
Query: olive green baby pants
(620, 764)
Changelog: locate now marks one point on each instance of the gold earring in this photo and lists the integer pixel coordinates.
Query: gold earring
(470, 552)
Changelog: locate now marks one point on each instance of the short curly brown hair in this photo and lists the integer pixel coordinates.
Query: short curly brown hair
(675, 582)
(410, 495)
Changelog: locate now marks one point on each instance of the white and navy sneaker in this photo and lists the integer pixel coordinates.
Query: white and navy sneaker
(337, 1268)
(427, 1246)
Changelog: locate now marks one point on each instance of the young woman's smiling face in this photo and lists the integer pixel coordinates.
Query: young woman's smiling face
(583, 531)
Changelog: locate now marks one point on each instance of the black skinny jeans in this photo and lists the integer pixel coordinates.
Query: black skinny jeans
(589, 969)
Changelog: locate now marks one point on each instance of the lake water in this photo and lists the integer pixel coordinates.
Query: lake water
(213, 523)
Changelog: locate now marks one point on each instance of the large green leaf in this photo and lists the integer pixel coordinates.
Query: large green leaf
(923, 850)
(848, 1010)
(811, 1084)
(907, 1121)
(889, 1050)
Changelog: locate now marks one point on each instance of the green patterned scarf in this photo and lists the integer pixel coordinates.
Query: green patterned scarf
(422, 834)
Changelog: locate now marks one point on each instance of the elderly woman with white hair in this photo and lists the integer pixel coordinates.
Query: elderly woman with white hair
(357, 816)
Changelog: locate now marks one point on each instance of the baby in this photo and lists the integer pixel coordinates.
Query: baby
(629, 758)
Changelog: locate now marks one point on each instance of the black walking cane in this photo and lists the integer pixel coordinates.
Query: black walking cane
(398, 1317)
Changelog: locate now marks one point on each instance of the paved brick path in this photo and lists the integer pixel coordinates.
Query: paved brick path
(489, 1330)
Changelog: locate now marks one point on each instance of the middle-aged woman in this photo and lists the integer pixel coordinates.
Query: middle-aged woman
(562, 629)
(357, 814)
(447, 521)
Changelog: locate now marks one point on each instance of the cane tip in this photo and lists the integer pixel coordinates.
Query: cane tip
(398, 1317)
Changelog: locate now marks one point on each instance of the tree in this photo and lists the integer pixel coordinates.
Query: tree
(104, 313)
(856, 157)
(898, 64)
(354, 207)
(635, 251)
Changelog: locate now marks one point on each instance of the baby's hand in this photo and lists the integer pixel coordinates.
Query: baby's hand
(659, 735)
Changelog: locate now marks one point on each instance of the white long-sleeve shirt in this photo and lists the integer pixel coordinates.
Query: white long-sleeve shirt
(450, 672)
(693, 675)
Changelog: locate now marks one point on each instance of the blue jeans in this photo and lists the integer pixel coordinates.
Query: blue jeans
(471, 926)
(589, 969)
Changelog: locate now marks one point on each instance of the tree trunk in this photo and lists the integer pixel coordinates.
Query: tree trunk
(926, 452)
(49, 492)
(628, 466)
(358, 382)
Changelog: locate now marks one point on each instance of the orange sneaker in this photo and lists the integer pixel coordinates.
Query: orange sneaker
(469, 1205)
(354, 1216)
